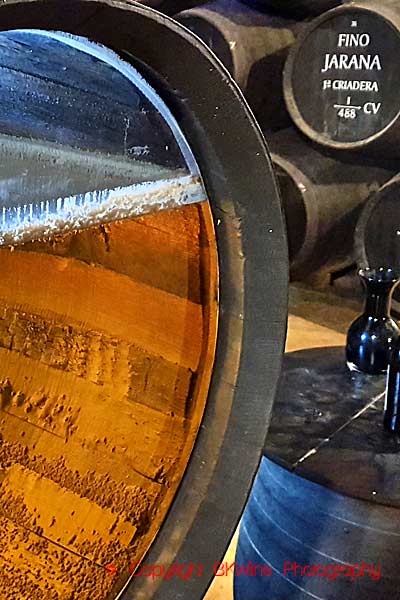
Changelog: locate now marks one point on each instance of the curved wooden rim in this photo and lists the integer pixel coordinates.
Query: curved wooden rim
(234, 162)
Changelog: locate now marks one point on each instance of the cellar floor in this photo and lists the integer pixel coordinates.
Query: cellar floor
(315, 320)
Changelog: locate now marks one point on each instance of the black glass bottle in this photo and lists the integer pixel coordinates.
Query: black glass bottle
(372, 335)
(391, 419)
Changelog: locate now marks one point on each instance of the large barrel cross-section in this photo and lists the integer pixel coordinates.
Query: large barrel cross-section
(138, 356)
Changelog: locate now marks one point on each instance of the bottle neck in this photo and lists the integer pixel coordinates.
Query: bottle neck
(377, 304)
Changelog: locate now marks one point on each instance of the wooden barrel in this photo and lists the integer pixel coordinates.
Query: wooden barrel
(301, 8)
(253, 46)
(170, 7)
(377, 235)
(322, 198)
(152, 3)
(122, 410)
(323, 517)
(338, 79)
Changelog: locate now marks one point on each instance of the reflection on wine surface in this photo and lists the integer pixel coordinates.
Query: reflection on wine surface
(84, 139)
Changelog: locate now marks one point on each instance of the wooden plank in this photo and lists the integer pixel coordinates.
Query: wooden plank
(154, 320)
(47, 59)
(52, 402)
(32, 568)
(159, 250)
(62, 99)
(82, 530)
(305, 334)
(90, 410)
(131, 372)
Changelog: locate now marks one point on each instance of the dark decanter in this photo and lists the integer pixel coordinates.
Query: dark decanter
(373, 334)
(391, 418)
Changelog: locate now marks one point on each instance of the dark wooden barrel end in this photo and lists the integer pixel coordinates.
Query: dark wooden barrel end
(253, 46)
(338, 79)
(377, 235)
(322, 198)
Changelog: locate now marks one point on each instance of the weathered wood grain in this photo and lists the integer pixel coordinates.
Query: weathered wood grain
(104, 375)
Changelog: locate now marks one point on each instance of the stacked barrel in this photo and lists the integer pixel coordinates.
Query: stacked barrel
(321, 77)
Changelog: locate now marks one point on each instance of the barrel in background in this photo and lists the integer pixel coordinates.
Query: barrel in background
(171, 7)
(290, 523)
(322, 187)
(378, 230)
(322, 197)
(303, 8)
(327, 495)
(253, 46)
(377, 235)
(340, 80)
